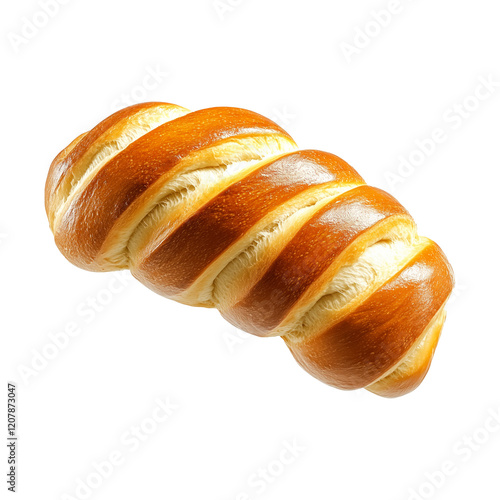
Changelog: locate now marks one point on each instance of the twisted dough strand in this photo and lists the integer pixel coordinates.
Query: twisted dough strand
(218, 208)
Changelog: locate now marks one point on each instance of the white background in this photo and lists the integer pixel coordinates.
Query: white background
(239, 399)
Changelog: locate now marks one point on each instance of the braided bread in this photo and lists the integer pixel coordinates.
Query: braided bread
(219, 208)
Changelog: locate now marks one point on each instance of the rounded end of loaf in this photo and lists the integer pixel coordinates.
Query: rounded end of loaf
(111, 184)
(385, 344)
(410, 373)
(74, 168)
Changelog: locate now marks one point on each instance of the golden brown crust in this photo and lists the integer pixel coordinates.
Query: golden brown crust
(408, 375)
(356, 351)
(218, 208)
(187, 250)
(63, 171)
(119, 185)
(309, 254)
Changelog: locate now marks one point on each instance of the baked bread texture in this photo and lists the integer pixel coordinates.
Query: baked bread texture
(219, 208)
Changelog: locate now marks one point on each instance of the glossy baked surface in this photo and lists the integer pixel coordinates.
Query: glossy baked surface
(219, 208)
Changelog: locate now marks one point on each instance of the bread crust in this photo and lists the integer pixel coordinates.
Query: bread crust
(219, 208)
(377, 335)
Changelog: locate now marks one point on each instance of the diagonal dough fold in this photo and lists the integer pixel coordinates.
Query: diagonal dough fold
(219, 208)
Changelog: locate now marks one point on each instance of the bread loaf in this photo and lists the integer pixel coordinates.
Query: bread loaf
(219, 208)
